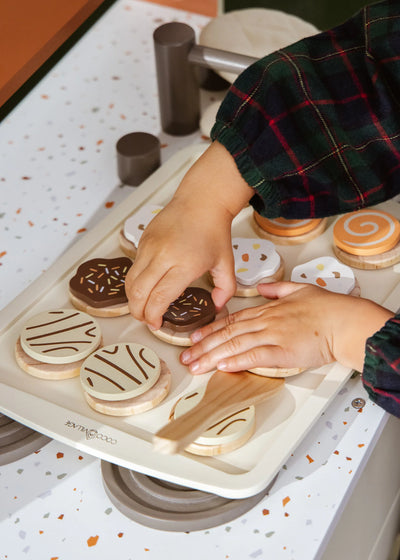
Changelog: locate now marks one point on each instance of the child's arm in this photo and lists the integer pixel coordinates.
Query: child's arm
(191, 236)
(305, 326)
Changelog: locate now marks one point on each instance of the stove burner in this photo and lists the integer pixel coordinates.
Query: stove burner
(169, 507)
(18, 441)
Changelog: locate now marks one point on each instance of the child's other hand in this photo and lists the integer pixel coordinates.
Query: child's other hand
(303, 326)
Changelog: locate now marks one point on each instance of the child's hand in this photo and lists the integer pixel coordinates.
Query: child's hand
(305, 326)
(191, 236)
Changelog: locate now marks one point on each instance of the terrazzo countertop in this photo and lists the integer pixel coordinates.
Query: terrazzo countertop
(57, 179)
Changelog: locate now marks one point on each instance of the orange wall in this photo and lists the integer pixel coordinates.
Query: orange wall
(205, 7)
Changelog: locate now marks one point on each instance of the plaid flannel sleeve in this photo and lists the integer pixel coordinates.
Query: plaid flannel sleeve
(315, 127)
(381, 373)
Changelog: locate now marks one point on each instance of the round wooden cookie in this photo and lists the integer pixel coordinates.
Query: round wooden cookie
(110, 311)
(46, 371)
(60, 336)
(225, 435)
(120, 371)
(276, 371)
(136, 405)
(288, 232)
(371, 262)
(127, 246)
(366, 232)
(325, 272)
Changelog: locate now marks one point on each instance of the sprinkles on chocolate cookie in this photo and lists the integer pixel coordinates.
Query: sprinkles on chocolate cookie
(193, 309)
(101, 282)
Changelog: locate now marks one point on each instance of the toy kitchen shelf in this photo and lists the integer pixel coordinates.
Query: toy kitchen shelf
(58, 408)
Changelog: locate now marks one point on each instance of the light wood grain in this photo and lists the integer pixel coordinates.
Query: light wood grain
(295, 240)
(110, 311)
(127, 246)
(371, 262)
(225, 394)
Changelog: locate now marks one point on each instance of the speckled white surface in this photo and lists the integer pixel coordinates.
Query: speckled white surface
(57, 178)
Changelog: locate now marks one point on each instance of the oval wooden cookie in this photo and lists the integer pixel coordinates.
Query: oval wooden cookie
(60, 336)
(136, 405)
(120, 371)
(225, 435)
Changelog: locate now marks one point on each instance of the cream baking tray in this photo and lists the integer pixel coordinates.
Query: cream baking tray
(58, 409)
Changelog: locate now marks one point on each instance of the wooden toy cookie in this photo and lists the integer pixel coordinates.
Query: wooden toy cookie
(98, 287)
(54, 344)
(193, 309)
(288, 232)
(224, 435)
(327, 273)
(134, 227)
(367, 239)
(256, 261)
(124, 379)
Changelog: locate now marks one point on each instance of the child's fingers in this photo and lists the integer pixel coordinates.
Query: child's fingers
(277, 290)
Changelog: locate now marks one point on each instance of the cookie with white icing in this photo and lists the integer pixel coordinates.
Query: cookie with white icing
(367, 239)
(327, 273)
(134, 227)
(124, 379)
(53, 344)
(225, 435)
(193, 309)
(256, 261)
(98, 287)
(288, 232)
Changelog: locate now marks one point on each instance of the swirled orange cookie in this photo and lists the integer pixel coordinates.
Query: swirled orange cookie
(193, 309)
(53, 344)
(256, 261)
(98, 287)
(367, 239)
(327, 273)
(288, 232)
(134, 227)
(225, 435)
(124, 379)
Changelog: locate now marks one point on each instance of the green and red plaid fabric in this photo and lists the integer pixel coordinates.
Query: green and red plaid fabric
(315, 127)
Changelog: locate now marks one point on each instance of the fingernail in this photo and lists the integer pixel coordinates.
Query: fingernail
(196, 337)
(194, 367)
(222, 365)
(185, 356)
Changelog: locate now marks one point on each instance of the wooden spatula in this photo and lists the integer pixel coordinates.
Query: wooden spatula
(225, 394)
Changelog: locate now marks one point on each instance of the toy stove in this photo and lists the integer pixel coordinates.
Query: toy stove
(18, 441)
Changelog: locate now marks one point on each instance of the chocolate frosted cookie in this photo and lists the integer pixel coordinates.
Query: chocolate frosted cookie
(190, 311)
(98, 287)
(193, 309)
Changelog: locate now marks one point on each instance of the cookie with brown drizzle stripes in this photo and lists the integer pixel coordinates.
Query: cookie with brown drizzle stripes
(223, 436)
(124, 379)
(193, 309)
(53, 344)
(98, 287)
